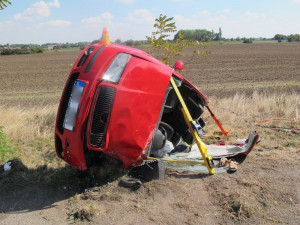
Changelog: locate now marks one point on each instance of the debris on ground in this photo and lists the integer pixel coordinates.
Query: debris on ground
(130, 182)
(12, 166)
(230, 164)
(7, 166)
(292, 129)
(81, 214)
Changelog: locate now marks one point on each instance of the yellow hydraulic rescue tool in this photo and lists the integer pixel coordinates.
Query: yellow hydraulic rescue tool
(193, 126)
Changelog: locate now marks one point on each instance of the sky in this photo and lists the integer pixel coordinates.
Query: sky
(34, 21)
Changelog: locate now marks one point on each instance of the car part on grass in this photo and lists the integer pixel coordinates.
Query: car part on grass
(7, 166)
(150, 170)
(130, 182)
(193, 160)
(124, 103)
(228, 151)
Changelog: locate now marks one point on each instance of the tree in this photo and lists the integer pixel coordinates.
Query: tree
(167, 49)
(129, 42)
(4, 3)
(248, 40)
(118, 41)
(290, 38)
(198, 34)
(220, 33)
(278, 37)
(66, 45)
(296, 37)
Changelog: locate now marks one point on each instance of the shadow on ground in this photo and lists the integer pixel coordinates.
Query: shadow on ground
(23, 190)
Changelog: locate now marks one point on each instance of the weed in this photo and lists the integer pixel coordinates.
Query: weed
(240, 209)
(82, 214)
(263, 202)
(7, 148)
(280, 105)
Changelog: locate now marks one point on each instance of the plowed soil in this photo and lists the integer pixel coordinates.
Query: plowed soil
(245, 68)
(38, 79)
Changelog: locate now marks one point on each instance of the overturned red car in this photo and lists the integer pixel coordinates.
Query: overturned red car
(119, 101)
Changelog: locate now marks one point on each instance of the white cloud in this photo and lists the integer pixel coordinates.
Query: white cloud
(59, 23)
(37, 10)
(140, 16)
(222, 11)
(103, 18)
(205, 13)
(137, 25)
(255, 15)
(296, 1)
(126, 1)
(54, 4)
(186, 22)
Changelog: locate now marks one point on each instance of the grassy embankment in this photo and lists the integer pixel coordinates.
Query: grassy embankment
(32, 129)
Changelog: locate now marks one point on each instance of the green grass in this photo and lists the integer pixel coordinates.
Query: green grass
(7, 148)
(267, 41)
(241, 42)
(63, 50)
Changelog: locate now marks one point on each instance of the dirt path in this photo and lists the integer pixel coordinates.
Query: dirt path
(265, 190)
(169, 201)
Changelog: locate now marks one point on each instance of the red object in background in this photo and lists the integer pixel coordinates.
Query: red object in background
(118, 118)
(179, 65)
(221, 143)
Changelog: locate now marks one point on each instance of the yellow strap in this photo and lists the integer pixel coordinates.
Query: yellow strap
(188, 118)
(187, 162)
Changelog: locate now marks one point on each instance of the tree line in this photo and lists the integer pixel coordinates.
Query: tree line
(200, 35)
(289, 38)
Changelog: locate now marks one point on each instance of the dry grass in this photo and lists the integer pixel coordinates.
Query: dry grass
(28, 124)
(32, 129)
(240, 112)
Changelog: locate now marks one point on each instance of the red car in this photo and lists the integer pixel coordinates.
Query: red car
(118, 101)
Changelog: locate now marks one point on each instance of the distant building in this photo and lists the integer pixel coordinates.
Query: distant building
(53, 47)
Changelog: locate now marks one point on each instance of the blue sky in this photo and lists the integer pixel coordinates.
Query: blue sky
(34, 21)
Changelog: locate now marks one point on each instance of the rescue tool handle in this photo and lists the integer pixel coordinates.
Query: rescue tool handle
(225, 132)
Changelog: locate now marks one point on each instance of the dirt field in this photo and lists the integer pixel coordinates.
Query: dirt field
(244, 68)
(31, 80)
(264, 190)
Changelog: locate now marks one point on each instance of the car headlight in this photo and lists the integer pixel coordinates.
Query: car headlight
(116, 68)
